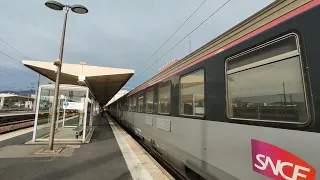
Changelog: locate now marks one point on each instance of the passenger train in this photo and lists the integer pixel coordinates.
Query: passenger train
(243, 106)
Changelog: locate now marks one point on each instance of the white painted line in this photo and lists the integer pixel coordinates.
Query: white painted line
(135, 167)
(15, 133)
(14, 114)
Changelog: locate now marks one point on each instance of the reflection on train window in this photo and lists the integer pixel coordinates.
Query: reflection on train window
(149, 101)
(192, 94)
(118, 106)
(130, 103)
(140, 103)
(127, 104)
(122, 105)
(164, 95)
(134, 103)
(268, 89)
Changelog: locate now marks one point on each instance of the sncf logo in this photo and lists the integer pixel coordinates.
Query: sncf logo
(279, 164)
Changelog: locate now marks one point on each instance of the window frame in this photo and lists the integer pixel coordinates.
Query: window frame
(134, 97)
(274, 59)
(170, 100)
(146, 104)
(127, 103)
(204, 93)
(139, 94)
(130, 103)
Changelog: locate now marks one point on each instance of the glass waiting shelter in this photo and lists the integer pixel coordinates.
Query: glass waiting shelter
(76, 108)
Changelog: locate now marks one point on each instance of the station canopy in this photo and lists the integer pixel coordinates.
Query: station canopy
(103, 82)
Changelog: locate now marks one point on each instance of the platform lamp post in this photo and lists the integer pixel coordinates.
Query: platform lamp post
(79, 9)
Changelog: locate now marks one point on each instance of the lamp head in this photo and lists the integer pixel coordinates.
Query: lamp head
(54, 5)
(77, 8)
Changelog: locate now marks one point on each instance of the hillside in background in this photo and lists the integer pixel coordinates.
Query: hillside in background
(23, 92)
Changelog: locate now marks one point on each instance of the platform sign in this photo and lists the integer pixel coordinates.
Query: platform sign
(73, 105)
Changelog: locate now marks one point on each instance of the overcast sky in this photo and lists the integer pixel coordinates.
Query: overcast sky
(115, 33)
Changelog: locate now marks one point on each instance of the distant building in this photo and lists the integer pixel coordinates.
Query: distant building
(14, 101)
(118, 95)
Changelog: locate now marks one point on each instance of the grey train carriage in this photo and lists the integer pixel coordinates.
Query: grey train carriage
(246, 110)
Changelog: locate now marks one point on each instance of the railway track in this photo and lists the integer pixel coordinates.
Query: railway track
(15, 122)
(10, 122)
(7, 127)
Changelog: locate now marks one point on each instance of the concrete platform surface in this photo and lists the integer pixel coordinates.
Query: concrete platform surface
(111, 154)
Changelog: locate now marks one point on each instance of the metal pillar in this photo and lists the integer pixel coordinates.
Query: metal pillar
(28, 104)
(35, 100)
(56, 90)
(1, 102)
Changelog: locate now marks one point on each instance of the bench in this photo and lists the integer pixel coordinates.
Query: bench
(79, 131)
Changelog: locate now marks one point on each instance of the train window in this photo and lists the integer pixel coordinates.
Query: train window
(192, 94)
(268, 50)
(164, 94)
(140, 103)
(149, 101)
(134, 103)
(267, 88)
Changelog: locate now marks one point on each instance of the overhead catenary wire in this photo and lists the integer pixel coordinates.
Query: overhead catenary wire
(185, 37)
(148, 59)
(14, 60)
(3, 70)
(25, 56)
(12, 57)
(9, 65)
(14, 48)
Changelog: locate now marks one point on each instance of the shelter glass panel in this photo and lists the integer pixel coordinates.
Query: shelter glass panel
(45, 113)
(72, 111)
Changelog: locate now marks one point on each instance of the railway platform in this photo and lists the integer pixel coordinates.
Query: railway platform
(15, 113)
(111, 154)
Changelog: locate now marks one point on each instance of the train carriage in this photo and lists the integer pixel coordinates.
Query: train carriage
(243, 106)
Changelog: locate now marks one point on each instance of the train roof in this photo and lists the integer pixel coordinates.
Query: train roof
(278, 10)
